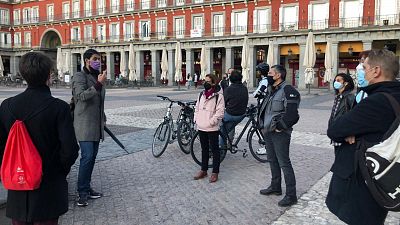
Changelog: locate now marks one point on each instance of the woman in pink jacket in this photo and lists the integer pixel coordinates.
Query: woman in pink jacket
(208, 115)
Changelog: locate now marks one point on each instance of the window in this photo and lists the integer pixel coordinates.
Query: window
(4, 16)
(180, 2)
(144, 30)
(66, 10)
(161, 3)
(35, 15)
(88, 8)
(17, 17)
(198, 1)
(17, 39)
(114, 32)
(75, 34)
(130, 5)
(239, 23)
(88, 34)
(27, 39)
(26, 17)
(5, 40)
(76, 9)
(288, 18)
(101, 7)
(262, 20)
(145, 4)
(101, 33)
(114, 6)
(387, 12)
(318, 16)
(218, 25)
(197, 27)
(179, 27)
(161, 29)
(50, 12)
(350, 13)
(129, 30)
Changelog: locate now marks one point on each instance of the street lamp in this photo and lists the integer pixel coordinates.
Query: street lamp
(319, 51)
(350, 50)
(219, 55)
(289, 52)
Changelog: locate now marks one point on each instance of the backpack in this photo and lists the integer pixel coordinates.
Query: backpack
(379, 164)
(21, 168)
(216, 100)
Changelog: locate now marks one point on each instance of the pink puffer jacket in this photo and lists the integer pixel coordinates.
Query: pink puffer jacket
(209, 113)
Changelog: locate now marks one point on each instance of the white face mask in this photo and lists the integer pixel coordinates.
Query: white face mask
(360, 66)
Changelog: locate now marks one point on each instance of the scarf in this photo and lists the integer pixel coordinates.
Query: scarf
(209, 92)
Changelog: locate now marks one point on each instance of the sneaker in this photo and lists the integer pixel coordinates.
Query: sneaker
(82, 202)
(94, 195)
(261, 151)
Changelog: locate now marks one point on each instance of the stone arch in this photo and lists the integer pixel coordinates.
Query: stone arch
(50, 39)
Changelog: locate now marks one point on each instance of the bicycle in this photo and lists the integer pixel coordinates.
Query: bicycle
(184, 132)
(253, 137)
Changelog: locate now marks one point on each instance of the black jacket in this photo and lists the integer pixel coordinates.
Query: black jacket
(349, 198)
(236, 97)
(53, 134)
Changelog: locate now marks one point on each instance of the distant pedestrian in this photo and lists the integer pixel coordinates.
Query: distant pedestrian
(49, 123)
(208, 115)
(189, 80)
(361, 82)
(368, 121)
(263, 69)
(279, 112)
(195, 79)
(89, 119)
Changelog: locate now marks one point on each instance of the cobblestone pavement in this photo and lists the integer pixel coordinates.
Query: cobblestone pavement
(141, 189)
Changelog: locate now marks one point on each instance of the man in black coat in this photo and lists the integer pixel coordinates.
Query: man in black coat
(369, 120)
(53, 135)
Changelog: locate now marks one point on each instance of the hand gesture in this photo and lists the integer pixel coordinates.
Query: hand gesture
(102, 77)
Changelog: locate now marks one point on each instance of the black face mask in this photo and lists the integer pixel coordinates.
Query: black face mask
(271, 80)
(207, 86)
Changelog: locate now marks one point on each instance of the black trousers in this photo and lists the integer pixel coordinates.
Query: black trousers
(209, 140)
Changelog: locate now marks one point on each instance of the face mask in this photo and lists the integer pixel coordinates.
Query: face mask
(271, 80)
(360, 96)
(207, 86)
(337, 85)
(362, 82)
(360, 67)
(95, 65)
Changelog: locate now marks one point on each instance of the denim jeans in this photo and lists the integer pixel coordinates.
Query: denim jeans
(89, 151)
(228, 126)
(277, 144)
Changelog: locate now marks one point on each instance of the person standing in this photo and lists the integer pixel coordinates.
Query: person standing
(263, 69)
(49, 123)
(236, 97)
(195, 80)
(208, 115)
(279, 112)
(189, 80)
(89, 119)
(369, 120)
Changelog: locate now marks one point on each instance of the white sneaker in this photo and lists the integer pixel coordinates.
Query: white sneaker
(261, 151)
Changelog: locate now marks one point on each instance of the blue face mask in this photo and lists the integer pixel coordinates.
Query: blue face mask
(362, 82)
(337, 85)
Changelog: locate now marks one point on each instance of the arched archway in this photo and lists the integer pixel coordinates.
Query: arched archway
(50, 40)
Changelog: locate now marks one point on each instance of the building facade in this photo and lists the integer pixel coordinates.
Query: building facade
(110, 26)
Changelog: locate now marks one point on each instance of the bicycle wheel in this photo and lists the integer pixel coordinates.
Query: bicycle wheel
(185, 133)
(161, 139)
(195, 151)
(257, 145)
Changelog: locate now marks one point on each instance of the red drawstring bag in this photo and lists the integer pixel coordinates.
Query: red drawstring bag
(21, 169)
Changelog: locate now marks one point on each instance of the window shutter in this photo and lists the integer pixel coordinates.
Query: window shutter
(327, 16)
(8, 39)
(79, 33)
(268, 22)
(297, 17)
(341, 13)
(233, 29)
(361, 15)
(310, 16)
(280, 19)
(255, 21)
(247, 19)
(72, 34)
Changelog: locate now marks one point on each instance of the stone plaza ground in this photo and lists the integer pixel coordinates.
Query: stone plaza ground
(141, 189)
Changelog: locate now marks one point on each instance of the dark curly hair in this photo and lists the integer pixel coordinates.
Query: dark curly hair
(346, 78)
